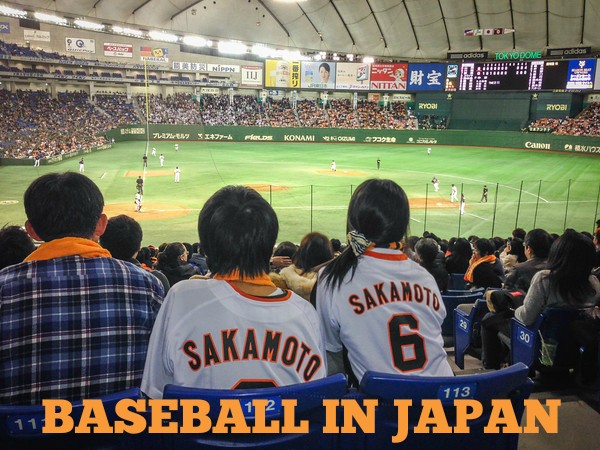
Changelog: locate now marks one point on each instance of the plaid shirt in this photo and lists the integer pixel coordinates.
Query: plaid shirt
(74, 328)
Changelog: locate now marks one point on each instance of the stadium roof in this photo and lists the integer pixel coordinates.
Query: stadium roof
(405, 29)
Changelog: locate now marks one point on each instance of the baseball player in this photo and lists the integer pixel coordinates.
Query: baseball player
(138, 202)
(153, 151)
(162, 160)
(245, 332)
(177, 174)
(463, 201)
(378, 163)
(484, 194)
(145, 159)
(453, 194)
(436, 184)
(428, 151)
(81, 166)
(333, 166)
(373, 300)
(176, 147)
(139, 185)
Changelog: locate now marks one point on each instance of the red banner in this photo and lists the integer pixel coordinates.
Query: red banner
(389, 77)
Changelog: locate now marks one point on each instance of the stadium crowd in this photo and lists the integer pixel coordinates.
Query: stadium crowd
(135, 286)
(585, 124)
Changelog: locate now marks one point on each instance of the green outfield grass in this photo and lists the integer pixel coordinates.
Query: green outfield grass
(527, 188)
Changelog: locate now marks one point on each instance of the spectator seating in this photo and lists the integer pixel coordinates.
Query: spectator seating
(457, 281)
(451, 301)
(466, 329)
(509, 383)
(552, 326)
(21, 428)
(309, 407)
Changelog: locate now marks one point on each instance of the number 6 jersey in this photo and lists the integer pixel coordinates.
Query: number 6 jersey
(388, 316)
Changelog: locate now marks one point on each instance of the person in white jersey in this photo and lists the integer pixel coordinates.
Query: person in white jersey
(236, 330)
(162, 160)
(454, 194)
(384, 308)
(177, 172)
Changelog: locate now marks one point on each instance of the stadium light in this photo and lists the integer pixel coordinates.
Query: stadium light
(8, 11)
(262, 50)
(196, 41)
(368, 60)
(232, 48)
(88, 25)
(162, 36)
(43, 17)
(128, 31)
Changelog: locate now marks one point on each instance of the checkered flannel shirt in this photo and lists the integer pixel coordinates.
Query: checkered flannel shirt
(74, 328)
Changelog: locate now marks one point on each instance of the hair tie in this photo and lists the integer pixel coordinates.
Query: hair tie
(358, 242)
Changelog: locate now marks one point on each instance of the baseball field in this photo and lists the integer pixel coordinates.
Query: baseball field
(526, 188)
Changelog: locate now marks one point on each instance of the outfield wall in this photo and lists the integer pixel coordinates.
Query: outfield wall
(503, 139)
(53, 159)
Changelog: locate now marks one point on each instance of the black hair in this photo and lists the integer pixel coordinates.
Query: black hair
(325, 66)
(539, 241)
(315, 249)
(63, 205)
(336, 245)
(15, 245)
(122, 237)
(169, 258)
(485, 247)
(519, 233)
(144, 256)
(427, 248)
(517, 249)
(238, 230)
(189, 248)
(286, 248)
(571, 260)
(379, 210)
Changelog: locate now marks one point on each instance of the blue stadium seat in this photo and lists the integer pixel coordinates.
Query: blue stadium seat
(309, 407)
(457, 281)
(21, 428)
(451, 302)
(510, 383)
(465, 327)
(553, 325)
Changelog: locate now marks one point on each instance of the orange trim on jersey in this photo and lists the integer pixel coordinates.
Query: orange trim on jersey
(276, 298)
(261, 280)
(386, 256)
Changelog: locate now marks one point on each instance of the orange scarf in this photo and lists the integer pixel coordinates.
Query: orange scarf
(261, 280)
(68, 246)
(469, 274)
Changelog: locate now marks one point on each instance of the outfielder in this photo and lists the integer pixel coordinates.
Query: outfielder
(453, 194)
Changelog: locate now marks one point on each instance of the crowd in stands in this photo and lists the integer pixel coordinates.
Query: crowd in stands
(310, 114)
(281, 113)
(178, 108)
(34, 125)
(149, 327)
(585, 124)
(117, 108)
(341, 114)
(370, 115)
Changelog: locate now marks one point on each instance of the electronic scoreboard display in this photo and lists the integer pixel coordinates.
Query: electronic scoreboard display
(527, 75)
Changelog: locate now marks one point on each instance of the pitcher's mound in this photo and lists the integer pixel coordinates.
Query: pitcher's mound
(150, 210)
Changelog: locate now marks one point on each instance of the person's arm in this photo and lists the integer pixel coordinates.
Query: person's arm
(534, 301)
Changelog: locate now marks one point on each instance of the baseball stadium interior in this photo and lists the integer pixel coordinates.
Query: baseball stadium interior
(334, 200)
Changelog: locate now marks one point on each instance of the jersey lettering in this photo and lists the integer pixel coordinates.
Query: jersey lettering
(273, 348)
(385, 293)
(408, 349)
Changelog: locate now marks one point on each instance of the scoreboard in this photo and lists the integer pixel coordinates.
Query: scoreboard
(527, 75)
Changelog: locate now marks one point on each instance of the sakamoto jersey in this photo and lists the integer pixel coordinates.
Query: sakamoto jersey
(388, 316)
(210, 335)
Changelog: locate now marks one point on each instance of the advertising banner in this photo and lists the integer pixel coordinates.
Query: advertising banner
(252, 76)
(389, 77)
(153, 54)
(426, 77)
(581, 74)
(80, 45)
(352, 76)
(318, 75)
(118, 50)
(282, 74)
(4, 27)
(36, 35)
